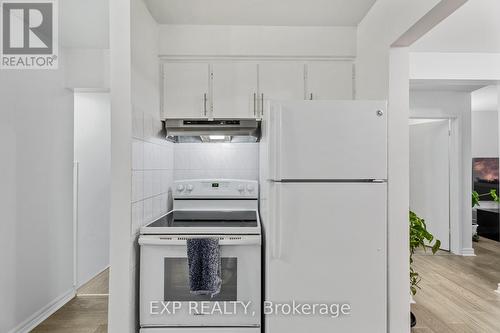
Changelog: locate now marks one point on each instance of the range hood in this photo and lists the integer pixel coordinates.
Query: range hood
(239, 127)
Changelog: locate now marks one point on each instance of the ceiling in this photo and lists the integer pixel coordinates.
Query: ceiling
(260, 12)
(485, 99)
(474, 27)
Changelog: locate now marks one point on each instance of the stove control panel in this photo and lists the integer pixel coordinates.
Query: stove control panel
(215, 188)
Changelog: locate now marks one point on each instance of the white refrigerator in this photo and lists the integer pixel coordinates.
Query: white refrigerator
(323, 202)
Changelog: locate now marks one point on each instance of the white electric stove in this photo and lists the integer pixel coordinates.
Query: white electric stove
(203, 208)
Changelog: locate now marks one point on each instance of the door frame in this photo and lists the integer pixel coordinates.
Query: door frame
(454, 177)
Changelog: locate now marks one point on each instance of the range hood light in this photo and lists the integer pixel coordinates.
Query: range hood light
(217, 137)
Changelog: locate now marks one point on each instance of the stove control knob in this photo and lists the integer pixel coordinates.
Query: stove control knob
(180, 188)
(250, 188)
(190, 188)
(241, 188)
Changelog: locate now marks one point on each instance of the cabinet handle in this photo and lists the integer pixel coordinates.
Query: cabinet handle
(205, 104)
(254, 104)
(311, 97)
(262, 103)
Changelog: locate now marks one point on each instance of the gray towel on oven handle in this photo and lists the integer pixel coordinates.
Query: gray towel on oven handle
(204, 266)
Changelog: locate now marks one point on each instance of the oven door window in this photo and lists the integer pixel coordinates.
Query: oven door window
(176, 280)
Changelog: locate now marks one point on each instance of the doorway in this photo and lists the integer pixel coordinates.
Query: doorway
(92, 156)
(430, 175)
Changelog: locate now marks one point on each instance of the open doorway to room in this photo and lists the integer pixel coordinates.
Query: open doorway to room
(453, 152)
(92, 191)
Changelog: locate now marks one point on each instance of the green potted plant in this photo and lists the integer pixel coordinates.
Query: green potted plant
(476, 197)
(420, 237)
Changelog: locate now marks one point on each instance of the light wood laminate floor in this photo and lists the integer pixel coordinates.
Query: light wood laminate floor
(86, 313)
(456, 297)
(457, 294)
(99, 285)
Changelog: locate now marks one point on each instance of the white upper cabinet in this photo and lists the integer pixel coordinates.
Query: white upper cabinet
(329, 80)
(281, 80)
(239, 89)
(186, 90)
(235, 90)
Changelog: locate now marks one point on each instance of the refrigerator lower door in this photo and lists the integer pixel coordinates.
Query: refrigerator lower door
(327, 140)
(326, 244)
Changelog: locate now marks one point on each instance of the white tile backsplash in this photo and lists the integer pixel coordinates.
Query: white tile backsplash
(137, 154)
(137, 216)
(157, 206)
(165, 180)
(148, 126)
(148, 211)
(152, 171)
(137, 185)
(148, 183)
(156, 163)
(148, 155)
(216, 160)
(156, 182)
(137, 124)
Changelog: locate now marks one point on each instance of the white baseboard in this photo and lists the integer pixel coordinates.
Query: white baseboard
(468, 252)
(39, 316)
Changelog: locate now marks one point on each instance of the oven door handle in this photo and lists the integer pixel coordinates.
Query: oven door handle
(175, 241)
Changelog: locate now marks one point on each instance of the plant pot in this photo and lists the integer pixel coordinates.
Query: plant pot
(413, 320)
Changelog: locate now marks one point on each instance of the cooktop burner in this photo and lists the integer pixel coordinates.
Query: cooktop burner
(186, 219)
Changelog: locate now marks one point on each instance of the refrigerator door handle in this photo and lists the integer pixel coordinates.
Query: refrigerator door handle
(277, 246)
(276, 145)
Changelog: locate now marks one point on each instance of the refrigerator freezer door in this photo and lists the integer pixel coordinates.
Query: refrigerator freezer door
(328, 140)
(327, 244)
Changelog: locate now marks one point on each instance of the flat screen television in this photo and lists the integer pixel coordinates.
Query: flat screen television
(485, 175)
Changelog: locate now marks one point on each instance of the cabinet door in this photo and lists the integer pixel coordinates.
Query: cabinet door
(234, 90)
(186, 90)
(281, 81)
(329, 80)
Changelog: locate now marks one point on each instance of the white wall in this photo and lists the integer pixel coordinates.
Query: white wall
(485, 124)
(84, 24)
(93, 157)
(216, 160)
(36, 195)
(84, 36)
(87, 69)
(121, 308)
(485, 133)
(381, 27)
(36, 172)
(457, 105)
(382, 73)
(454, 66)
(257, 40)
(141, 160)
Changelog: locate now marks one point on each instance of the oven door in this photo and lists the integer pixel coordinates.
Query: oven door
(165, 298)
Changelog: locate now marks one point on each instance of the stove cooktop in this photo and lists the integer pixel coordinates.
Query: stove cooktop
(187, 221)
